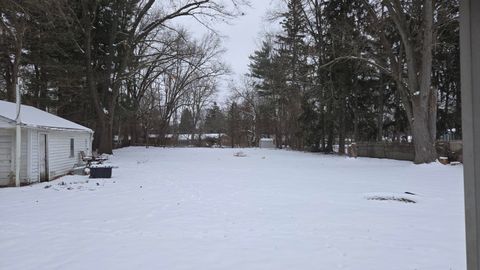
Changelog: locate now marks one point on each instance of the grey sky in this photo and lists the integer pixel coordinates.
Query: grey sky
(241, 37)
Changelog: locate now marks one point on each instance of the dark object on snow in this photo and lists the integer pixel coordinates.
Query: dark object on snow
(101, 172)
(391, 198)
(410, 193)
(94, 159)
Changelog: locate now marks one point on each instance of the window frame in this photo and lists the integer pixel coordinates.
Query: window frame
(72, 147)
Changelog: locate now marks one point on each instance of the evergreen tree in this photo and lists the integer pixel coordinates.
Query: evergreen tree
(234, 122)
(186, 125)
(214, 120)
(292, 54)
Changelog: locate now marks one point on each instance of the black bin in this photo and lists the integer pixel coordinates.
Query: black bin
(101, 172)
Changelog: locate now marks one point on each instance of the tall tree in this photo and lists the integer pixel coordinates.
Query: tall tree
(15, 18)
(215, 120)
(186, 125)
(413, 22)
(234, 124)
(293, 54)
(112, 32)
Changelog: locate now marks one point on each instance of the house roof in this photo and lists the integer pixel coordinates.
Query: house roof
(36, 118)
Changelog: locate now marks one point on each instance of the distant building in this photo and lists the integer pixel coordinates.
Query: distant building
(266, 143)
(50, 145)
(207, 139)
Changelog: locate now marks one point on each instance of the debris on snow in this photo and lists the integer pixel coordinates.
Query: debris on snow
(240, 154)
(406, 197)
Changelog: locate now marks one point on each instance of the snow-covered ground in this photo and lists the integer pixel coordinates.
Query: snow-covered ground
(209, 209)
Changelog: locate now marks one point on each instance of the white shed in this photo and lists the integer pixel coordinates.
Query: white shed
(50, 145)
(266, 143)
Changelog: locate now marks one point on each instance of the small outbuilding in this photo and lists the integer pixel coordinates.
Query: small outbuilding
(50, 145)
(266, 143)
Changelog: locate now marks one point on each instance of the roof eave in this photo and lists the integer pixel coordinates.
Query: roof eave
(13, 123)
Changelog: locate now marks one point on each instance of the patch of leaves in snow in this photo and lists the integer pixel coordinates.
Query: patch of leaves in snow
(406, 197)
(142, 161)
(90, 185)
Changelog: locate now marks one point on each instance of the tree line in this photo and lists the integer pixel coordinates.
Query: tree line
(338, 71)
(121, 67)
(342, 71)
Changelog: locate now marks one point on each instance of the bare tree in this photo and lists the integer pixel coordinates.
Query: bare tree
(157, 55)
(200, 62)
(13, 25)
(411, 65)
(248, 97)
(200, 96)
(108, 65)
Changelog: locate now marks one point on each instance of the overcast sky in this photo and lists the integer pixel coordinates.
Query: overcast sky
(241, 37)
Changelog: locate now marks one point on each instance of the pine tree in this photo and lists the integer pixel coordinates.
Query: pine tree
(186, 125)
(234, 122)
(292, 53)
(214, 120)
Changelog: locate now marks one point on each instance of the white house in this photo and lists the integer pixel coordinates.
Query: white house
(50, 145)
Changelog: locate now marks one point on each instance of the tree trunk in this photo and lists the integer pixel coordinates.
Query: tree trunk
(330, 127)
(103, 136)
(341, 125)
(134, 129)
(356, 132)
(15, 69)
(323, 134)
(381, 101)
(329, 147)
(421, 107)
(10, 83)
(423, 138)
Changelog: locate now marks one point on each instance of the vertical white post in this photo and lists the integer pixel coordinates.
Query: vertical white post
(470, 69)
(18, 139)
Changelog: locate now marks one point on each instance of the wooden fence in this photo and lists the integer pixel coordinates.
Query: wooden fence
(404, 151)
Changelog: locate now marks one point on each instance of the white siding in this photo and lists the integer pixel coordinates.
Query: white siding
(34, 163)
(59, 160)
(5, 156)
(23, 158)
(58, 146)
(24, 163)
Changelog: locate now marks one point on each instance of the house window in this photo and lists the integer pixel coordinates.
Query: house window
(72, 148)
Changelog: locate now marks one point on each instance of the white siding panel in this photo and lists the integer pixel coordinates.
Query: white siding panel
(23, 152)
(6, 138)
(34, 173)
(59, 160)
(24, 156)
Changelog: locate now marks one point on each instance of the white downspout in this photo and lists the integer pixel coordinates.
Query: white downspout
(18, 139)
